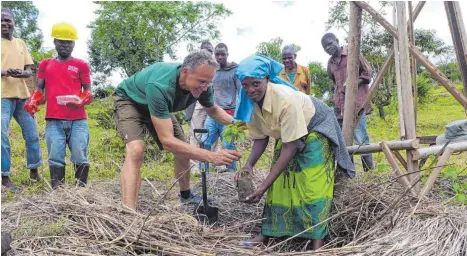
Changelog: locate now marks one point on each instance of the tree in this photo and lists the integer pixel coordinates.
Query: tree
(132, 35)
(273, 48)
(322, 85)
(26, 15)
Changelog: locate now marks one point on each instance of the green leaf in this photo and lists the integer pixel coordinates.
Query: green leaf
(461, 198)
(456, 187)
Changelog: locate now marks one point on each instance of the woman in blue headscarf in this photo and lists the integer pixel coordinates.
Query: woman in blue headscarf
(301, 181)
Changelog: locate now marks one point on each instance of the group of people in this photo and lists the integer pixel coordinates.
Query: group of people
(272, 99)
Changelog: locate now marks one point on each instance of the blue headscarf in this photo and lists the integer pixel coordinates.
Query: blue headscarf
(256, 66)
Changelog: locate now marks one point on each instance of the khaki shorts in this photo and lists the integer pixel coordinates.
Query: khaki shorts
(134, 123)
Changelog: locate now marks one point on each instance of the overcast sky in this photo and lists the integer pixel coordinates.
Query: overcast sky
(252, 22)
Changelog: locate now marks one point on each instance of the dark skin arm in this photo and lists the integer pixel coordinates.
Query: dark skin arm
(259, 146)
(288, 151)
(18, 73)
(40, 85)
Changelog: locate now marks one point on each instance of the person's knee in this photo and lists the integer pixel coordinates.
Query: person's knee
(135, 151)
(31, 137)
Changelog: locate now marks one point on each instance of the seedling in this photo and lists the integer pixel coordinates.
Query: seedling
(235, 133)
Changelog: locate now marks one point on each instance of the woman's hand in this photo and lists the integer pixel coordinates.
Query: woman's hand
(255, 196)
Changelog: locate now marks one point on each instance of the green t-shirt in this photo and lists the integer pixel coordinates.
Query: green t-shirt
(157, 88)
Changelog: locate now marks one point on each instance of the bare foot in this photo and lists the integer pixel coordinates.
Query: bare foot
(318, 244)
(256, 241)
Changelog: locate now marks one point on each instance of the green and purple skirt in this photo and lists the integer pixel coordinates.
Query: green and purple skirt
(300, 198)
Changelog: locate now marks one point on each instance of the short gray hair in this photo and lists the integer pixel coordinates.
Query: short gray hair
(288, 48)
(200, 57)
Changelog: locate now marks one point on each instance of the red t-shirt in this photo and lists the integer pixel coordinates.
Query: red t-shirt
(63, 78)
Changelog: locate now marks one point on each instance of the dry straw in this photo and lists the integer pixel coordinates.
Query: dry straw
(370, 216)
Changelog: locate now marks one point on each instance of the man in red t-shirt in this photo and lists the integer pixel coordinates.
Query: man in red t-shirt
(67, 85)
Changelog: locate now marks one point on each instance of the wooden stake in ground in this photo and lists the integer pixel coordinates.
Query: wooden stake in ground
(434, 175)
(407, 99)
(352, 82)
(397, 67)
(397, 170)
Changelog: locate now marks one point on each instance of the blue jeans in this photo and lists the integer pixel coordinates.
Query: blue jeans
(360, 133)
(215, 130)
(15, 108)
(59, 133)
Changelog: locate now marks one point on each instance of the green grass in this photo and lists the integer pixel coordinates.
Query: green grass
(106, 149)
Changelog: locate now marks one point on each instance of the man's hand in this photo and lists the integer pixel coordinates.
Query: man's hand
(225, 157)
(255, 196)
(15, 72)
(85, 97)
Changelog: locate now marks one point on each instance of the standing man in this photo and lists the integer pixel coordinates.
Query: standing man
(66, 122)
(226, 87)
(197, 115)
(337, 71)
(16, 65)
(297, 75)
(145, 101)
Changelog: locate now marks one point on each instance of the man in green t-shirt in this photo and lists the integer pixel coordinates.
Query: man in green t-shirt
(145, 101)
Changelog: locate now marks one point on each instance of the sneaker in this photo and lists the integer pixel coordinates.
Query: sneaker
(193, 199)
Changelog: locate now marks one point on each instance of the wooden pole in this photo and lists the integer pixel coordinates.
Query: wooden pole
(374, 87)
(407, 99)
(355, 25)
(400, 158)
(414, 63)
(397, 170)
(397, 68)
(375, 147)
(434, 175)
(422, 153)
(436, 73)
(454, 15)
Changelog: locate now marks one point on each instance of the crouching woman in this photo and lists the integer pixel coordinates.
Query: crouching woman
(308, 141)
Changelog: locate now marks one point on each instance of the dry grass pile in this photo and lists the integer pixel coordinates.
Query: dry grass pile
(369, 218)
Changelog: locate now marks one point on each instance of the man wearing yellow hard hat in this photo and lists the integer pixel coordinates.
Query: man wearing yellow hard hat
(67, 85)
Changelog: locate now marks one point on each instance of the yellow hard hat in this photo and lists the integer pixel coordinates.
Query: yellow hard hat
(64, 31)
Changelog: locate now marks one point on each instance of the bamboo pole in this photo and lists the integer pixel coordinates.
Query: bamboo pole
(422, 153)
(434, 175)
(455, 21)
(355, 26)
(407, 97)
(374, 87)
(397, 170)
(376, 147)
(437, 74)
(397, 68)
